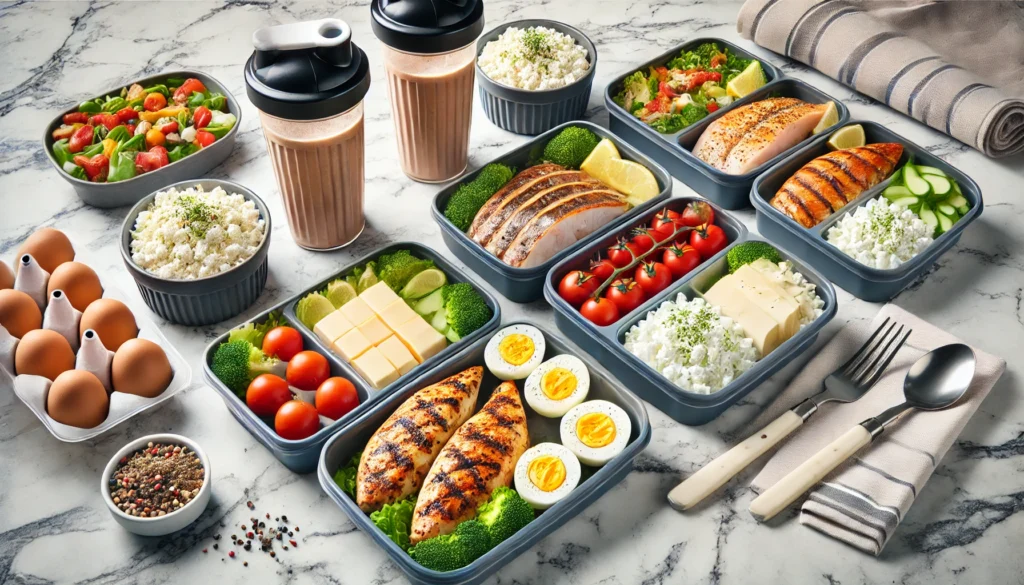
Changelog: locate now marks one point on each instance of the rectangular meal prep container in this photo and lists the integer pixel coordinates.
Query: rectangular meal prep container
(870, 284)
(606, 343)
(191, 167)
(301, 456)
(594, 483)
(524, 285)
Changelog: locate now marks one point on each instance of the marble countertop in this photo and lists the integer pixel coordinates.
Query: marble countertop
(966, 527)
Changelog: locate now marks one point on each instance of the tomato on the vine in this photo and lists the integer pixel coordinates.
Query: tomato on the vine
(626, 294)
(653, 277)
(601, 268)
(600, 311)
(644, 240)
(709, 240)
(622, 253)
(664, 224)
(577, 286)
(681, 259)
(697, 213)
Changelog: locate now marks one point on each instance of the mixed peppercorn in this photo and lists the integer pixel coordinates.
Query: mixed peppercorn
(157, 480)
(257, 534)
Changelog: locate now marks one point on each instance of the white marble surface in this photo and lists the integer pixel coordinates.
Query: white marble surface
(967, 527)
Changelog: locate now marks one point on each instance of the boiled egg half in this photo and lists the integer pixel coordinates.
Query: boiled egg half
(595, 431)
(545, 474)
(557, 385)
(514, 352)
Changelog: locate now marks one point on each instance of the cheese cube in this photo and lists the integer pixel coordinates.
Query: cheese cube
(333, 326)
(375, 368)
(397, 313)
(727, 294)
(375, 330)
(379, 296)
(357, 311)
(398, 354)
(351, 345)
(772, 298)
(422, 340)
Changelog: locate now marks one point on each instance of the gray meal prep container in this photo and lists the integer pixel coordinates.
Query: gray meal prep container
(606, 343)
(190, 167)
(523, 285)
(204, 300)
(870, 284)
(595, 481)
(534, 111)
(301, 456)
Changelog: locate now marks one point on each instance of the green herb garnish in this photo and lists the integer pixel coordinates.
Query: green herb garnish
(196, 215)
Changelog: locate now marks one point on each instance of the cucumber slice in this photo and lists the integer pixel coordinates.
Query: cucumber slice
(907, 202)
(946, 209)
(945, 223)
(956, 187)
(957, 201)
(926, 170)
(963, 209)
(928, 216)
(915, 183)
(941, 186)
(893, 192)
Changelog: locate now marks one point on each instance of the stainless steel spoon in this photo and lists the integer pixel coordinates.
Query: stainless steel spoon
(936, 381)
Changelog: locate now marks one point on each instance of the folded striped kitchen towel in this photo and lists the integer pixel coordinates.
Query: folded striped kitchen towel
(957, 66)
(863, 501)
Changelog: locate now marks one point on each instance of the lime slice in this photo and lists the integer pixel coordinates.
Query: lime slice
(750, 79)
(829, 119)
(424, 283)
(631, 179)
(367, 279)
(313, 307)
(848, 137)
(340, 292)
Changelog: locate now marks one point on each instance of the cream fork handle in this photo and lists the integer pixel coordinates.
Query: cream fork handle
(715, 474)
(792, 486)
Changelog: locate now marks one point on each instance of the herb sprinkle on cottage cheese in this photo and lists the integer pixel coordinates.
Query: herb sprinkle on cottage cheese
(880, 234)
(534, 58)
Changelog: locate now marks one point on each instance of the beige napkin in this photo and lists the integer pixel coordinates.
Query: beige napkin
(956, 66)
(862, 502)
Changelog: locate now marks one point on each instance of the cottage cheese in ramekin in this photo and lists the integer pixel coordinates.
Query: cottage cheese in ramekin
(189, 234)
(880, 234)
(534, 58)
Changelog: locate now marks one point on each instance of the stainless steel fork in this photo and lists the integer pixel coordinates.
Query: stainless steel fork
(847, 383)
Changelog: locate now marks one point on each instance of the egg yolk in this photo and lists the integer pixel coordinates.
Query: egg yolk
(516, 349)
(558, 383)
(547, 472)
(595, 429)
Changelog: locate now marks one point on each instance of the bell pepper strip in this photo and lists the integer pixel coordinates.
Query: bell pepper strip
(712, 107)
(96, 167)
(154, 102)
(62, 152)
(204, 138)
(65, 131)
(93, 150)
(158, 88)
(76, 118)
(181, 151)
(75, 171)
(81, 138)
(190, 86)
(99, 132)
(173, 82)
(154, 116)
(114, 104)
(201, 117)
(89, 107)
(152, 160)
(197, 99)
(136, 143)
(135, 92)
(127, 114)
(109, 146)
(122, 164)
(119, 134)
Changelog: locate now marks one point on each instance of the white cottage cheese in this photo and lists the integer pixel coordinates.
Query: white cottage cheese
(534, 58)
(184, 235)
(880, 234)
(692, 344)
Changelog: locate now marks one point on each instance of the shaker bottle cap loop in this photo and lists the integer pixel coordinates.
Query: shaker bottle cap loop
(427, 26)
(306, 70)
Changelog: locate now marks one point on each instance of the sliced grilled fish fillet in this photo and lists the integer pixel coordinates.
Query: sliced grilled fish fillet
(398, 456)
(827, 183)
(480, 458)
(524, 179)
(538, 203)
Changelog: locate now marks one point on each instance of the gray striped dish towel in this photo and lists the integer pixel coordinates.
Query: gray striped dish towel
(863, 501)
(956, 66)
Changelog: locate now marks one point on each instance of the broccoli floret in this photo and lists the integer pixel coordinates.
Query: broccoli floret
(669, 124)
(570, 147)
(747, 252)
(254, 333)
(397, 268)
(395, 520)
(635, 89)
(692, 113)
(494, 176)
(467, 200)
(504, 514)
(465, 310)
(453, 551)
(237, 362)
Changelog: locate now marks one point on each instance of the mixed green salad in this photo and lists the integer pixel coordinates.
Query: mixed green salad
(141, 129)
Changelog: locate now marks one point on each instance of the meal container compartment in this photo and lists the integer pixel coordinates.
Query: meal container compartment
(191, 167)
(809, 244)
(524, 285)
(206, 300)
(531, 112)
(606, 343)
(603, 386)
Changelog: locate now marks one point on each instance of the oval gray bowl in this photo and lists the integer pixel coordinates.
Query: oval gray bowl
(201, 301)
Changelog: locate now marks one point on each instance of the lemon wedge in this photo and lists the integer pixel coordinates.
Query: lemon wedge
(750, 79)
(848, 137)
(625, 176)
(829, 119)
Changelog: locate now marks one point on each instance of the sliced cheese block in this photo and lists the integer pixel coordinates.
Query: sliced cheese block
(375, 330)
(772, 298)
(333, 326)
(758, 325)
(399, 355)
(351, 345)
(379, 296)
(357, 311)
(375, 368)
(397, 313)
(422, 340)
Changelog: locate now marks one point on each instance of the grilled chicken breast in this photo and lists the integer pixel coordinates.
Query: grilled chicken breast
(827, 183)
(398, 456)
(496, 210)
(480, 458)
(749, 136)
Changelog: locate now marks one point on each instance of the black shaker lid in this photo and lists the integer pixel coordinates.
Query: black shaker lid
(427, 26)
(306, 70)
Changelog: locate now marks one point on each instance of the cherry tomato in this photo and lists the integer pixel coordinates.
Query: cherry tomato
(109, 120)
(664, 224)
(712, 107)
(80, 139)
(190, 86)
(266, 394)
(201, 117)
(154, 102)
(282, 343)
(653, 277)
(204, 138)
(96, 168)
(709, 240)
(664, 89)
(131, 129)
(150, 161)
(626, 294)
(601, 269)
(697, 213)
(600, 311)
(168, 128)
(622, 253)
(296, 420)
(644, 240)
(681, 259)
(577, 286)
(76, 118)
(155, 137)
(127, 115)
(307, 370)
(336, 397)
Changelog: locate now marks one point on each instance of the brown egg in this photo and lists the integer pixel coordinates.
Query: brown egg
(112, 320)
(79, 283)
(49, 247)
(77, 398)
(6, 276)
(140, 367)
(19, 314)
(42, 352)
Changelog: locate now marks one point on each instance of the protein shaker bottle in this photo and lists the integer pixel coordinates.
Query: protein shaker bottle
(429, 57)
(308, 80)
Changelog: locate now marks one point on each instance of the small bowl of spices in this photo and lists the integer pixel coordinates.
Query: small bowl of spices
(157, 484)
